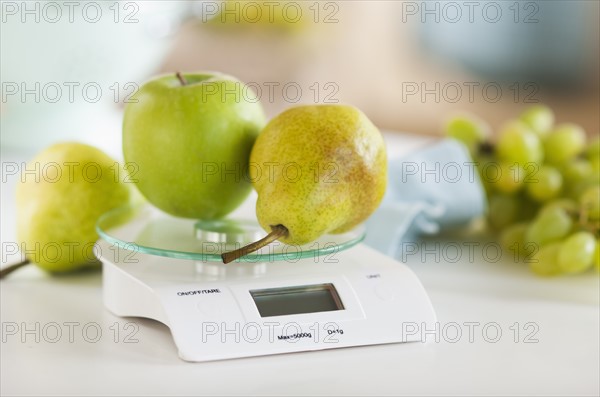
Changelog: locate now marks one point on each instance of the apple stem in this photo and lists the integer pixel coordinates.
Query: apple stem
(11, 268)
(486, 148)
(277, 231)
(181, 79)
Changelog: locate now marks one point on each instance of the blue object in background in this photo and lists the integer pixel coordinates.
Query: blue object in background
(541, 41)
(435, 188)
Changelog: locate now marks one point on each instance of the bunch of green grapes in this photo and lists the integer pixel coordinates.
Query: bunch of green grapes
(543, 186)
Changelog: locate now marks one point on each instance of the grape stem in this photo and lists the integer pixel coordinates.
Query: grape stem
(181, 79)
(11, 268)
(277, 231)
(586, 223)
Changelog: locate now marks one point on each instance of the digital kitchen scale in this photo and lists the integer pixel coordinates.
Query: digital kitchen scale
(335, 292)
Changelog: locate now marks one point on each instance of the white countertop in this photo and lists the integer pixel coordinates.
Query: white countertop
(558, 317)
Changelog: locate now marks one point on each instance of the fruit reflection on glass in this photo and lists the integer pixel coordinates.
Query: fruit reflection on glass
(58, 205)
(190, 137)
(543, 187)
(317, 169)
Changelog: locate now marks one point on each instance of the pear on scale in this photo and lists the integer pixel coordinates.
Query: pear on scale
(317, 169)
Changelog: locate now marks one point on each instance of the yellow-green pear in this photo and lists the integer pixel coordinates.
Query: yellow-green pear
(61, 194)
(317, 169)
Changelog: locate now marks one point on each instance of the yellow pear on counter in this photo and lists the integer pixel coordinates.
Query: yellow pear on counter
(60, 196)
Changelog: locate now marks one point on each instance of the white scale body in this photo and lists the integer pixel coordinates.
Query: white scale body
(355, 297)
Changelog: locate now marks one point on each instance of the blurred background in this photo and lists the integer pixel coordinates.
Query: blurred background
(68, 68)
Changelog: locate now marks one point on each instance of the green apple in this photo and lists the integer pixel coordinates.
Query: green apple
(189, 137)
(61, 194)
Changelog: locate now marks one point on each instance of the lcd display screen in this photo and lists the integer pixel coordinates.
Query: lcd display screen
(296, 300)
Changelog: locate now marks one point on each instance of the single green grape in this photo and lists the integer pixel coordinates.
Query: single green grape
(544, 185)
(503, 210)
(563, 143)
(593, 149)
(539, 118)
(590, 202)
(551, 224)
(512, 239)
(518, 144)
(595, 162)
(468, 129)
(567, 204)
(510, 178)
(576, 190)
(545, 261)
(576, 253)
(576, 171)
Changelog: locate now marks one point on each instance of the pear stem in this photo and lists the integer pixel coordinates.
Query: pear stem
(277, 231)
(11, 268)
(181, 79)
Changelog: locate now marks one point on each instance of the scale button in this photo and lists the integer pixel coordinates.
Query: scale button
(209, 308)
(384, 292)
